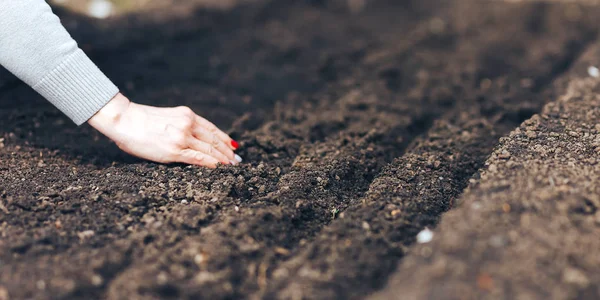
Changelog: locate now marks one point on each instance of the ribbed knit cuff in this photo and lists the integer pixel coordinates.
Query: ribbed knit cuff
(77, 87)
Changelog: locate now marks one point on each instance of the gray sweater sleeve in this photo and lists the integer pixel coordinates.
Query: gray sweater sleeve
(36, 48)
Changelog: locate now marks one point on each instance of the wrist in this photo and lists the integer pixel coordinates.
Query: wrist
(108, 117)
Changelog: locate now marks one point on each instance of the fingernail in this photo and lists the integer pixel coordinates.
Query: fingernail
(235, 144)
(238, 158)
(233, 162)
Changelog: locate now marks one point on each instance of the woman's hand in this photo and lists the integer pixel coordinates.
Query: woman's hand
(164, 135)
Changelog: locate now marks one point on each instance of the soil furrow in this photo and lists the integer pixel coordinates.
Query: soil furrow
(527, 228)
(307, 196)
(304, 200)
(353, 255)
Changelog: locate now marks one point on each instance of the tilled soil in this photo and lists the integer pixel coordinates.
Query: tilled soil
(528, 228)
(358, 128)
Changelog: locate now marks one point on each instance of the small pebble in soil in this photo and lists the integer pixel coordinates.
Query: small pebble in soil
(366, 225)
(41, 284)
(425, 236)
(97, 280)
(575, 277)
(282, 251)
(593, 71)
(504, 155)
(85, 234)
(184, 201)
(199, 259)
(162, 278)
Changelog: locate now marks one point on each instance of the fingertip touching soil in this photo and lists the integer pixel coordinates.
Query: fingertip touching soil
(360, 127)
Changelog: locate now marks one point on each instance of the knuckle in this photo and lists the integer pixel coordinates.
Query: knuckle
(215, 140)
(174, 154)
(178, 139)
(186, 111)
(210, 126)
(199, 157)
(188, 122)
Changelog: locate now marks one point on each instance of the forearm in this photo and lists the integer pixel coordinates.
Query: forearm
(37, 48)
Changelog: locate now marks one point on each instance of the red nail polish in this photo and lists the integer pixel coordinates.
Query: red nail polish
(235, 144)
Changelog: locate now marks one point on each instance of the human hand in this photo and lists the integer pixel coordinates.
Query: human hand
(164, 135)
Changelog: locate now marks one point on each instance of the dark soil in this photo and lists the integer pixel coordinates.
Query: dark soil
(358, 130)
(528, 228)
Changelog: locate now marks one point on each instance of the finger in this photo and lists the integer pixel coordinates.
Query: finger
(231, 144)
(193, 157)
(208, 149)
(211, 138)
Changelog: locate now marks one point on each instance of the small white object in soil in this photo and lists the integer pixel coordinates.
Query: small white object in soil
(86, 234)
(100, 9)
(366, 225)
(199, 258)
(184, 201)
(593, 71)
(236, 208)
(41, 284)
(425, 236)
(162, 278)
(97, 280)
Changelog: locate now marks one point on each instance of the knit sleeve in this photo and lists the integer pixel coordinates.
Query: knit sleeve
(36, 48)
